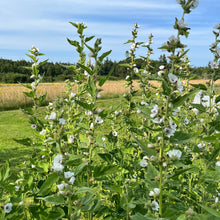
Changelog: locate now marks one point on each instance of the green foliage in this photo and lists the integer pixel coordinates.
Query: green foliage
(155, 157)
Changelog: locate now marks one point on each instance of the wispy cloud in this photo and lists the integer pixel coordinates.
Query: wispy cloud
(45, 24)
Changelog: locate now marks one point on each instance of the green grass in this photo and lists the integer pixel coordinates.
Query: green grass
(14, 127)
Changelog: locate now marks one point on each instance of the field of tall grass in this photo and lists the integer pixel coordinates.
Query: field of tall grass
(12, 97)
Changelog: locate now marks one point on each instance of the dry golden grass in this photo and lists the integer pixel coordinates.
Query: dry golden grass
(11, 95)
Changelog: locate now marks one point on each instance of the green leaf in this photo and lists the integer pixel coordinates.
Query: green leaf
(212, 138)
(26, 85)
(30, 94)
(147, 150)
(200, 107)
(102, 57)
(85, 189)
(217, 99)
(85, 105)
(199, 86)
(166, 88)
(80, 168)
(106, 157)
(53, 199)
(43, 62)
(181, 99)
(73, 42)
(74, 24)
(216, 124)
(41, 99)
(89, 38)
(104, 79)
(181, 137)
(125, 65)
(87, 69)
(56, 214)
(4, 171)
(211, 211)
(100, 171)
(45, 188)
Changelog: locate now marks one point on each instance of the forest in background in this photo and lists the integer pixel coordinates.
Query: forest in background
(16, 71)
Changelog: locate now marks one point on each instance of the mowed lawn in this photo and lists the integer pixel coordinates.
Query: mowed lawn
(14, 127)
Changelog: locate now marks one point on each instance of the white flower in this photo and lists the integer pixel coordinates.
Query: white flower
(161, 67)
(158, 120)
(68, 174)
(200, 145)
(186, 121)
(8, 207)
(144, 103)
(99, 110)
(103, 139)
(180, 87)
(138, 111)
(143, 163)
(202, 120)
(155, 205)
(154, 111)
(172, 124)
(217, 26)
(60, 186)
(127, 77)
(43, 132)
(136, 70)
(53, 116)
(160, 73)
(172, 38)
(33, 85)
(173, 78)
(133, 45)
(33, 126)
(218, 163)
(98, 120)
(71, 139)
(88, 112)
(72, 180)
(169, 132)
(214, 65)
(194, 4)
(57, 166)
(182, 23)
(62, 121)
(72, 94)
(175, 111)
(155, 192)
(174, 154)
(114, 133)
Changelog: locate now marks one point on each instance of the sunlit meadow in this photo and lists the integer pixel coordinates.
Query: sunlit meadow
(155, 157)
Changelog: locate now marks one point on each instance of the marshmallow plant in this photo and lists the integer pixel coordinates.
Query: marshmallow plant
(156, 157)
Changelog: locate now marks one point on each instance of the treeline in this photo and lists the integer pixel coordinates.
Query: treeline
(15, 71)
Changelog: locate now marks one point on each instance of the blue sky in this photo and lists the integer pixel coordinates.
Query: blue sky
(45, 24)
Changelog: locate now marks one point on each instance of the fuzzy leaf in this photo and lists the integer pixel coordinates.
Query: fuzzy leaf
(54, 199)
(89, 38)
(102, 57)
(211, 211)
(87, 69)
(30, 94)
(199, 86)
(51, 179)
(85, 105)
